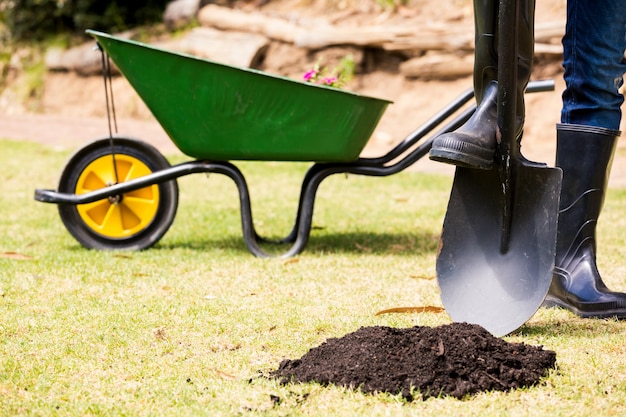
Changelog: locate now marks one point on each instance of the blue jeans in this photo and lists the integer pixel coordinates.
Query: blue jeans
(593, 58)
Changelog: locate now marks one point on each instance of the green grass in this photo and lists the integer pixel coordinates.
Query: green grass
(190, 326)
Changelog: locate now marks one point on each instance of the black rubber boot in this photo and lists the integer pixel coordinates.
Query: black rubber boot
(585, 155)
(473, 145)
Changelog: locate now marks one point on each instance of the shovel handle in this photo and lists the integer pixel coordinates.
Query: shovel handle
(508, 37)
(508, 152)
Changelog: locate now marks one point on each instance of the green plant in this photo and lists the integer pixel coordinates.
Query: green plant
(391, 4)
(338, 76)
(36, 19)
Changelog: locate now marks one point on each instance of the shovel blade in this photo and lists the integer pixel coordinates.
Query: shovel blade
(479, 284)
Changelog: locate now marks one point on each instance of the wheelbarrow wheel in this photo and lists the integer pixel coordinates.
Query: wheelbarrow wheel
(132, 221)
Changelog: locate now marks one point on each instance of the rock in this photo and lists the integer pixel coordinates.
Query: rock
(84, 59)
(180, 12)
(53, 59)
(234, 48)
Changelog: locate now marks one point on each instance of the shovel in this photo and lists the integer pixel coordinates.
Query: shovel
(497, 248)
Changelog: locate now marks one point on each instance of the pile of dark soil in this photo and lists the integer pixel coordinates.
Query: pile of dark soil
(457, 360)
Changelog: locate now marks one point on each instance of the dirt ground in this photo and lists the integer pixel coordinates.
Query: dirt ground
(72, 110)
(455, 360)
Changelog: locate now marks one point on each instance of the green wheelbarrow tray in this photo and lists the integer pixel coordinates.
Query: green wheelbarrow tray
(218, 112)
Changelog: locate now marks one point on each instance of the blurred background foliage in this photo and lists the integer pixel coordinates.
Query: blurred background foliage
(37, 20)
(26, 20)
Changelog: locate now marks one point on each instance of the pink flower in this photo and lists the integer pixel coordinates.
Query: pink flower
(330, 80)
(309, 75)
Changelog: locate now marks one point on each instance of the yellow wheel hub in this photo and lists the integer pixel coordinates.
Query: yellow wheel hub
(109, 217)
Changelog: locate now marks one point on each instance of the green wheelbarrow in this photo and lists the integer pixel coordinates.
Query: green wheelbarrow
(121, 193)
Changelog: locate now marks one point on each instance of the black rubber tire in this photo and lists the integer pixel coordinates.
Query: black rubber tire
(166, 205)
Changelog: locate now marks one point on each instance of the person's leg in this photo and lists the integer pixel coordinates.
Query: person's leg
(584, 153)
(473, 145)
(593, 59)
(594, 46)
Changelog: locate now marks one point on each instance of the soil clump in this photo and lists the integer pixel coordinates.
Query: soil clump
(456, 360)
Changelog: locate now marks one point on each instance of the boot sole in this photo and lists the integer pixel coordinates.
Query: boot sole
(460, 153)
(619, 313)
(459, 159)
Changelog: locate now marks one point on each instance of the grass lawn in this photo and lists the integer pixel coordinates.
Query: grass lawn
(190, 326)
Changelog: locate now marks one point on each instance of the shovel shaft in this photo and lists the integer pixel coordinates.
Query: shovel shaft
(508, 152)
(508, 37)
